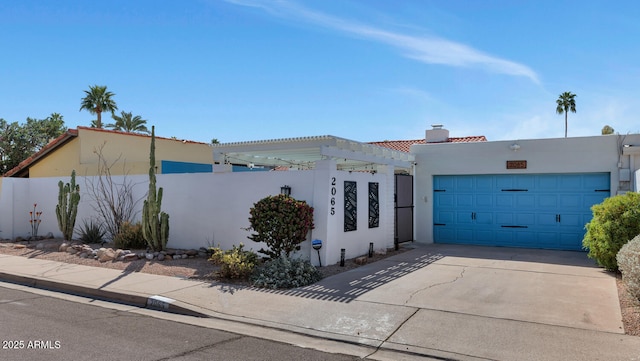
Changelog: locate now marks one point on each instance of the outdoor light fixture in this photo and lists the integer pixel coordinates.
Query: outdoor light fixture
(514, 147)
(370, 249)
(342, 252)
(286, 190)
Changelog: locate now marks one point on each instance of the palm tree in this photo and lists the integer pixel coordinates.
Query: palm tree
(607, 129)
(566, 102)
(98, 100)
(126, 122)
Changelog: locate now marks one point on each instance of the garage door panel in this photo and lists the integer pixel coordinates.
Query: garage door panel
(445, 217)
(547, 201)
(484, 200)
(444, 200)
(525, 219)
(504, 200)
(525, 200)
(538, 211)
(464, 200)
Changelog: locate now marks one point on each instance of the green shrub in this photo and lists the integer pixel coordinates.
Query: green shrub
(629, 264)
(615, 221)
(130, 237)
(91, 232)
(284, 272)
(234, 263)
(281, 222)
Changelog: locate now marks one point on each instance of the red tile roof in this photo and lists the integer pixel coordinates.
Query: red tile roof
(405, 145)
(64, 138)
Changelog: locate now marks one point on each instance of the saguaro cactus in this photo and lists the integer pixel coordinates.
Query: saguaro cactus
(67, 208)
(155, 223)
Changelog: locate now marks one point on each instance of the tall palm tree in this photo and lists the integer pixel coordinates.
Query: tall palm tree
(566, 102)
(98, 100)
(126, 122)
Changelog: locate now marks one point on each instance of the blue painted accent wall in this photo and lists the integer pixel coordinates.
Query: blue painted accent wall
(171, 167)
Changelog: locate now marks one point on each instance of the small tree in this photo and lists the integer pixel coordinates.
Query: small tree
(615, 221)
(67, 208)
(155, 223)
(281, 222)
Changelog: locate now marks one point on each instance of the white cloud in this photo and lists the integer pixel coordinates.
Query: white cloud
(426, 49)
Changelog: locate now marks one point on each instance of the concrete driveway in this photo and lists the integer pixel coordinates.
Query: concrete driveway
(494, 303)
(546, 287)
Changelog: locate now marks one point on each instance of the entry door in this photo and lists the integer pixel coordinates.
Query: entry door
(403, 208)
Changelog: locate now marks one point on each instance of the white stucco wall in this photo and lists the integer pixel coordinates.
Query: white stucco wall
(211, 209)
(558, 155)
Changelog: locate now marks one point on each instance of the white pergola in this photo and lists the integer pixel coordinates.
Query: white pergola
(302, 153)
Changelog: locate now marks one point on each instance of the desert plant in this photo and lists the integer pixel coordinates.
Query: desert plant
(130, 237)
(285, 272)
(629, 263)
(155, 223)
(615, 221)
(67, 208)
(281, 222)
(112, 200)
(34, 221)
(91, 232)
(234, 263)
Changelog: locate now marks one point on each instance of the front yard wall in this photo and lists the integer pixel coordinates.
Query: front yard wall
(213, 209)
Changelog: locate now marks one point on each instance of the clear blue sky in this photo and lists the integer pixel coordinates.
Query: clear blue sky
(366, 70)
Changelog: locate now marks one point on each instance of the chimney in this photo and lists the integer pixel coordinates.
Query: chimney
(437, 134)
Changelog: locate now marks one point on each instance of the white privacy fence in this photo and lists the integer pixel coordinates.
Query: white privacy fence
(211, 209)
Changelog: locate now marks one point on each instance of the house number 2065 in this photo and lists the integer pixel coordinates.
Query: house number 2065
(333, 195)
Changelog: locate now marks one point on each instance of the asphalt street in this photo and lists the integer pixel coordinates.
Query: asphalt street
(36, 326)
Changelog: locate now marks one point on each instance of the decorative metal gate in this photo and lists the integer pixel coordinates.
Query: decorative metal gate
(403, 198)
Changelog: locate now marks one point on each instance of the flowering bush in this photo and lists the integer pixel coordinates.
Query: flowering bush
(629, 263)
(281, 222)
(284, 272)
(234, 263)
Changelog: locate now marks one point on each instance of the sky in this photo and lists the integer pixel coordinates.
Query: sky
(366, 70)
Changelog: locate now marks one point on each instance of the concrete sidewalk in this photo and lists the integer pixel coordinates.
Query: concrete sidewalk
(439, 301)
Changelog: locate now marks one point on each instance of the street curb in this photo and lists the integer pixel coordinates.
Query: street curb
(138, 300)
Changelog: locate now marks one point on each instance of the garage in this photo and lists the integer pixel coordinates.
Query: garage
(520, 210)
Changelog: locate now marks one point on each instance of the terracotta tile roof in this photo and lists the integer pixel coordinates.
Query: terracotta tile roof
(21, 170)
(405, 145)
(68, 135)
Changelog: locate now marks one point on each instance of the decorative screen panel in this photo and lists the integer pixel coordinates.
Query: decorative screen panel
(350, 206)
(374, 206)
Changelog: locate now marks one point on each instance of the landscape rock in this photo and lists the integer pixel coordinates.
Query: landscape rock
(361, 260)
(129, 257)
(18, 246)
(40, 246)
(191, 252)
(161, 257)
(149, 256)
(63, 247)
(71, 250)
(48, 235)
(106, 254)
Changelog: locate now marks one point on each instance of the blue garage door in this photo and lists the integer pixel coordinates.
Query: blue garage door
(532, 211)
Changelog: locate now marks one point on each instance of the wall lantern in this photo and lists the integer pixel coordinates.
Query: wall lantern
(514, 147)
(286, 190)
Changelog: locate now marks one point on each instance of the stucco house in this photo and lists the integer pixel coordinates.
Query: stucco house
(533, 193)
(77, 149)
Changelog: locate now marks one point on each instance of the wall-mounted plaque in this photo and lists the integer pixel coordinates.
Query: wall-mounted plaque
(516, 164)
